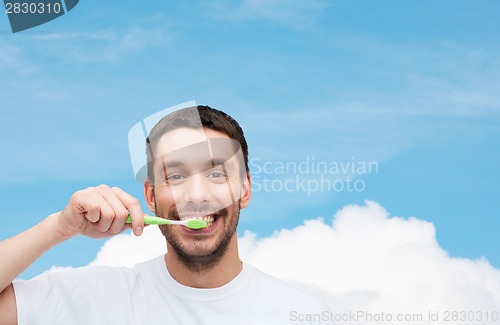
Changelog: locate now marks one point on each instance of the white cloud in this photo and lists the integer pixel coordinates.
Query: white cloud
(364, 260)
(127, 249)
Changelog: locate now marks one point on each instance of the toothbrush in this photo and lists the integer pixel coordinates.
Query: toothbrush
(192, 223)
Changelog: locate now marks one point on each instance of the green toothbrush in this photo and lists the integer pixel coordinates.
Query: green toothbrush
(192, 223)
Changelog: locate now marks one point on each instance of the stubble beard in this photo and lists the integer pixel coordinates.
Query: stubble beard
(199, 258)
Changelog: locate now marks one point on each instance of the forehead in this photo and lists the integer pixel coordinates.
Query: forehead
(195, 151)
(183, 138)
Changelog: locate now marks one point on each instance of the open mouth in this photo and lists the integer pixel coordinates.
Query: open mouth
(208, 218)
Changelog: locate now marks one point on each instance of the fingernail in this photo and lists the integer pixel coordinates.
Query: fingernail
(138, 231)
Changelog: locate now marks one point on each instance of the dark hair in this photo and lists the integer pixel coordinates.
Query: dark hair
(190, 117)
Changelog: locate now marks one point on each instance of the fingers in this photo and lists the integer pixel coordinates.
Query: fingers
(87, 204)
(113, 219)
(134, 209)
(107, 209)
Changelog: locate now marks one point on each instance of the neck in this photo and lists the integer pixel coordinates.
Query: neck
(221, 273)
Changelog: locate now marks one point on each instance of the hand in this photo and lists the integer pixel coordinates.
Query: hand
(100, 212)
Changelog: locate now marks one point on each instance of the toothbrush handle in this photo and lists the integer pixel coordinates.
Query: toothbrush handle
(150, 220)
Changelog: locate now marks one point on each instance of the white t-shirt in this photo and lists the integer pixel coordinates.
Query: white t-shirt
(147, 294)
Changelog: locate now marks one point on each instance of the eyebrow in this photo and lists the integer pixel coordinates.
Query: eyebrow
(218, 161)
(169, 164)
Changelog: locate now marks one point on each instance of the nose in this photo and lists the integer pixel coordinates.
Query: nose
(197, 189)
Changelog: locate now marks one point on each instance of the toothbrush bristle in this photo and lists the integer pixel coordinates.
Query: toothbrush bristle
(196, 224)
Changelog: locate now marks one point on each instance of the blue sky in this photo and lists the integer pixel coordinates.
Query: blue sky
(411, 86)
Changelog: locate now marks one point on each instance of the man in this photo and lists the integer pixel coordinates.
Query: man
(197, 167)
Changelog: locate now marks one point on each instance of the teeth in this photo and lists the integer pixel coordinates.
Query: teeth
(208, 219)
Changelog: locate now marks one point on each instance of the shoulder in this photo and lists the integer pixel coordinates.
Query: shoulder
(90, 274)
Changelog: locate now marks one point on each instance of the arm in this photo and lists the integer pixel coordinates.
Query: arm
(97, 212)
(21, 251)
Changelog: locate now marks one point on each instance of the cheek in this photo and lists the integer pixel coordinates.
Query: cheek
(163, 195)
(225, 194)
(234, 186)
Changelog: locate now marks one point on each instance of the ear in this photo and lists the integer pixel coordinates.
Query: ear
(149, 196)
(246, 191)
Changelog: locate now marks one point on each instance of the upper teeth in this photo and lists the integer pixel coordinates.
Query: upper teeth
(208, 219)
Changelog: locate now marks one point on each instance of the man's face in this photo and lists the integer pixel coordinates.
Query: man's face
(198, 174)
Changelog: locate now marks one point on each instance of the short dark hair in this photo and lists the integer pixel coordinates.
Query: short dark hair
(211, 118)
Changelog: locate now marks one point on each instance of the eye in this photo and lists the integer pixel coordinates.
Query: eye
(216, 175)
(175, 178)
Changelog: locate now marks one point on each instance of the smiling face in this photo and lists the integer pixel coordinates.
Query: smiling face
(199, 173)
